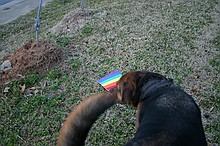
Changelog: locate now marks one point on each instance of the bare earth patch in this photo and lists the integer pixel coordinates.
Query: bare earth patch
(72, 22)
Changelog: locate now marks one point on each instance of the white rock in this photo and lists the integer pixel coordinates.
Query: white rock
(6, 66)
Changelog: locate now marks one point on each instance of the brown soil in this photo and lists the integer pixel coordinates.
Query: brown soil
(33, 58)
(72, 22)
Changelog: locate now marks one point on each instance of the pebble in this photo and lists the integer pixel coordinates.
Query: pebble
(5, 67)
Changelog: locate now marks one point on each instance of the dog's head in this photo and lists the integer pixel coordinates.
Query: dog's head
(126, 88)
(129, 86)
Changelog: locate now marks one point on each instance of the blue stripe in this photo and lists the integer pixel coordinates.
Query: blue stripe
(111, 78)
(115, 73)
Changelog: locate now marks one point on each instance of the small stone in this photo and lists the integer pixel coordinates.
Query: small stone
(6, 66)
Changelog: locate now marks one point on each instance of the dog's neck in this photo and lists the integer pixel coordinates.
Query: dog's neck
(143, 78)
(148, 82)
(152, 86)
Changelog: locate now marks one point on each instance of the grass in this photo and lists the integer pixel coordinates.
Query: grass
(179, 39)
(86, 30)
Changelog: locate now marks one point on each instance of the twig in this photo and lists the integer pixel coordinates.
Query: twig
(21, 138)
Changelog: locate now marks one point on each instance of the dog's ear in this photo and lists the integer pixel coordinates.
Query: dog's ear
(126, 89)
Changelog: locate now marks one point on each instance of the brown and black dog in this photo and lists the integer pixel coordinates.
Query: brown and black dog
(166, 116)
(78, 123)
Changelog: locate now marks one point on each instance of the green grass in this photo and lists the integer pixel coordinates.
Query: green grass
(53, 74)
(215, 62)
(87, 30)
(179, 39)
(32, 120)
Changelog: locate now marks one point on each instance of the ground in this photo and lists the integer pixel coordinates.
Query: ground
(179, 39)
(32, 57)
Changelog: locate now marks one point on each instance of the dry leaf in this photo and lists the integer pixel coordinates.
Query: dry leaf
(36, 91)
(195, 89)
(33, 88)
(211, 109)
(22, 88)
(6, 90)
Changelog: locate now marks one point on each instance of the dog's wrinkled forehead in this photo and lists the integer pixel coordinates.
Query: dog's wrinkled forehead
(127, 87)
(129, 77)
(124, 80)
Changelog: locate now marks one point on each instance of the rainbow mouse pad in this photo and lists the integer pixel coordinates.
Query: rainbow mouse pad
(109, 81)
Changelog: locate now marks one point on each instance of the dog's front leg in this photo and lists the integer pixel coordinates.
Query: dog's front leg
(138, 114)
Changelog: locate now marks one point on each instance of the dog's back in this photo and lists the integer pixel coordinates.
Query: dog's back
(169, 117)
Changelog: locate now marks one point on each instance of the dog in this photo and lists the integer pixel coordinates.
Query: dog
(78, 123)
(166, 115)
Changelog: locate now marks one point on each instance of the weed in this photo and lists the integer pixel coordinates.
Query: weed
(87, 29)
(215, 63)
(16, 86)
(63, 42)
(214, 128)
(31, 79)
(75, 64)
(216, 41)
(53, 74)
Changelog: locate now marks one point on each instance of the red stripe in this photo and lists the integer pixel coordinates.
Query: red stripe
(110, 86)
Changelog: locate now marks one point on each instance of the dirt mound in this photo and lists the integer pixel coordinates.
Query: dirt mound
(72, 22)
(32, 58)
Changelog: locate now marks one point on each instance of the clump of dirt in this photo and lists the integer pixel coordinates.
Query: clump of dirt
(72, 22)
(33, 58)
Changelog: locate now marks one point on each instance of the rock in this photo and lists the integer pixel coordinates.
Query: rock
(5, 67)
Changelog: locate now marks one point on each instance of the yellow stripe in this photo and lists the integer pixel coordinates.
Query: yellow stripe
(112, 81)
